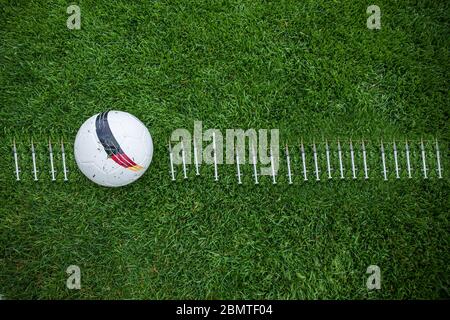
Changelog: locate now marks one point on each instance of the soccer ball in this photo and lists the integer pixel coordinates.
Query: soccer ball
(113, 148)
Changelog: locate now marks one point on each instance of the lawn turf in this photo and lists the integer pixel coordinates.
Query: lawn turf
(312, 69)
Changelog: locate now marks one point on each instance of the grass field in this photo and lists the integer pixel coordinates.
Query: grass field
(312, 69)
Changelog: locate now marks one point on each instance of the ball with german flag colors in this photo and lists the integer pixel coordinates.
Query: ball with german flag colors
(113, 148)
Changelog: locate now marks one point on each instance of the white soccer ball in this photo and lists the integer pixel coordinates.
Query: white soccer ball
(113, 148)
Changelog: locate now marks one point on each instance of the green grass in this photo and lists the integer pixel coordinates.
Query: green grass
(310, 68)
